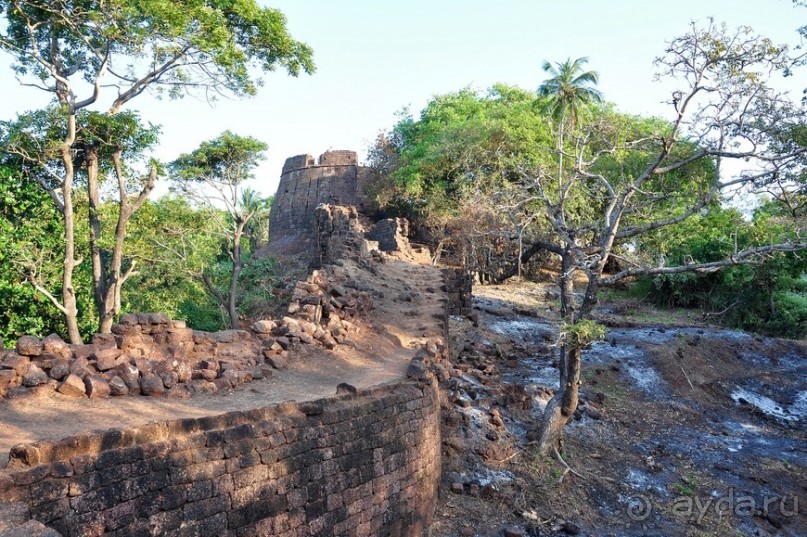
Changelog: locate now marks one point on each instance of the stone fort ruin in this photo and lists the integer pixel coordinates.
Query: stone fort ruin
(334, 179)
(364, 462)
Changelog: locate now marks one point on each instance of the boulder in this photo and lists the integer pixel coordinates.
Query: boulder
(169, 378)
(29, 346)
(264, 327)
(130, 375)
(72, 386)
(204, 374)
(118, 387)
(34, 376)
(106, 359)
(7, 377)
(277, 361)
(16, 362)
(237, 376)
(53, 344)
(184, 371)
(129, 319)
(96, 387)
(104, 341)
(126, 329)
(225, 336)
(151, 384)
(59, 369)
(308, 339)
(201, 386)
(328, 341)
(80, 367)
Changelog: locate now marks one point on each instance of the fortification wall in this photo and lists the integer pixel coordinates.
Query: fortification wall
(335, 178)
(357, 465)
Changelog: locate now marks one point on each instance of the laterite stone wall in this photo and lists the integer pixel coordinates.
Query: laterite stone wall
(354, 465)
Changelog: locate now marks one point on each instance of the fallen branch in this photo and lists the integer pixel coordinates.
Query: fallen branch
(567, 468)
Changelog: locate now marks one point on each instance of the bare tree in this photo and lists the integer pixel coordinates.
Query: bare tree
(621, 182)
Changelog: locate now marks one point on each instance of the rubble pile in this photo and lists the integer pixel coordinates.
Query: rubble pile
(150, 354)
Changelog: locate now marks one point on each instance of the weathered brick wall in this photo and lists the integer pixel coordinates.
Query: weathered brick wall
(357, 465)
(459, 285)
(335, 178)
(391, 234)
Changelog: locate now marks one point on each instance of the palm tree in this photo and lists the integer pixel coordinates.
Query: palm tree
(568, 88)
(256, 229)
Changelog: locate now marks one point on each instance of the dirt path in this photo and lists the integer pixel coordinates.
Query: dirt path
(406, 297)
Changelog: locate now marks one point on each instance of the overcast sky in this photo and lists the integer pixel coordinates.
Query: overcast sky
(375, 58)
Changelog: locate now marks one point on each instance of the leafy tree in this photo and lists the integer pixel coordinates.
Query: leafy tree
(724, 110)
(769, 297)
(452, 171)
(257, 229)
(43, 142)
(70, 48)
(616, 179)
(109, 144)
(173, 242)
(213, 177)
(566, 91)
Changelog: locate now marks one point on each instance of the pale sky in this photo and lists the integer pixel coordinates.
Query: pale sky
(375, 58)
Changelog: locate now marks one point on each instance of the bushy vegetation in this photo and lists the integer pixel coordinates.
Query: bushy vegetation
(769, 297)
(171, 242)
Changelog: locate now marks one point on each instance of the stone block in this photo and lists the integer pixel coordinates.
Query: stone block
(34, 376)
(264, 326)
(118, 387)
(16, 362)
(72, 386)
(29, 346)
(54, 344)
(151, 384)
(96, 387)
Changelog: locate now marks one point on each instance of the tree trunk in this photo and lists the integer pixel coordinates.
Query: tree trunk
(520, 251)
(99, 277)
(237, 266)
(68, 292)
(561, 407)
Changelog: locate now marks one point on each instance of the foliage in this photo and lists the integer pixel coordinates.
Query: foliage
(30, 241)
(259, 284)
(75, 50)
(582, 333)
(173, 47)
(770, 297)
(460, 142)
(568, 88)
(212, 176)
(173, 242)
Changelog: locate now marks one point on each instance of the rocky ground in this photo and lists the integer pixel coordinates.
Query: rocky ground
(405, 298)
(682, 429)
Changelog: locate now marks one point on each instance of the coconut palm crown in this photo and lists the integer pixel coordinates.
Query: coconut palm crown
(568, 87)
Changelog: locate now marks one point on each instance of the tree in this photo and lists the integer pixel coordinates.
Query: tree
(566, 91)
(453, 171)
(257, 229)
(68, 48)
(212, 176)
(616, 179)
(723, 111)
(173, 242)
(107, 143)
(43, 142)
